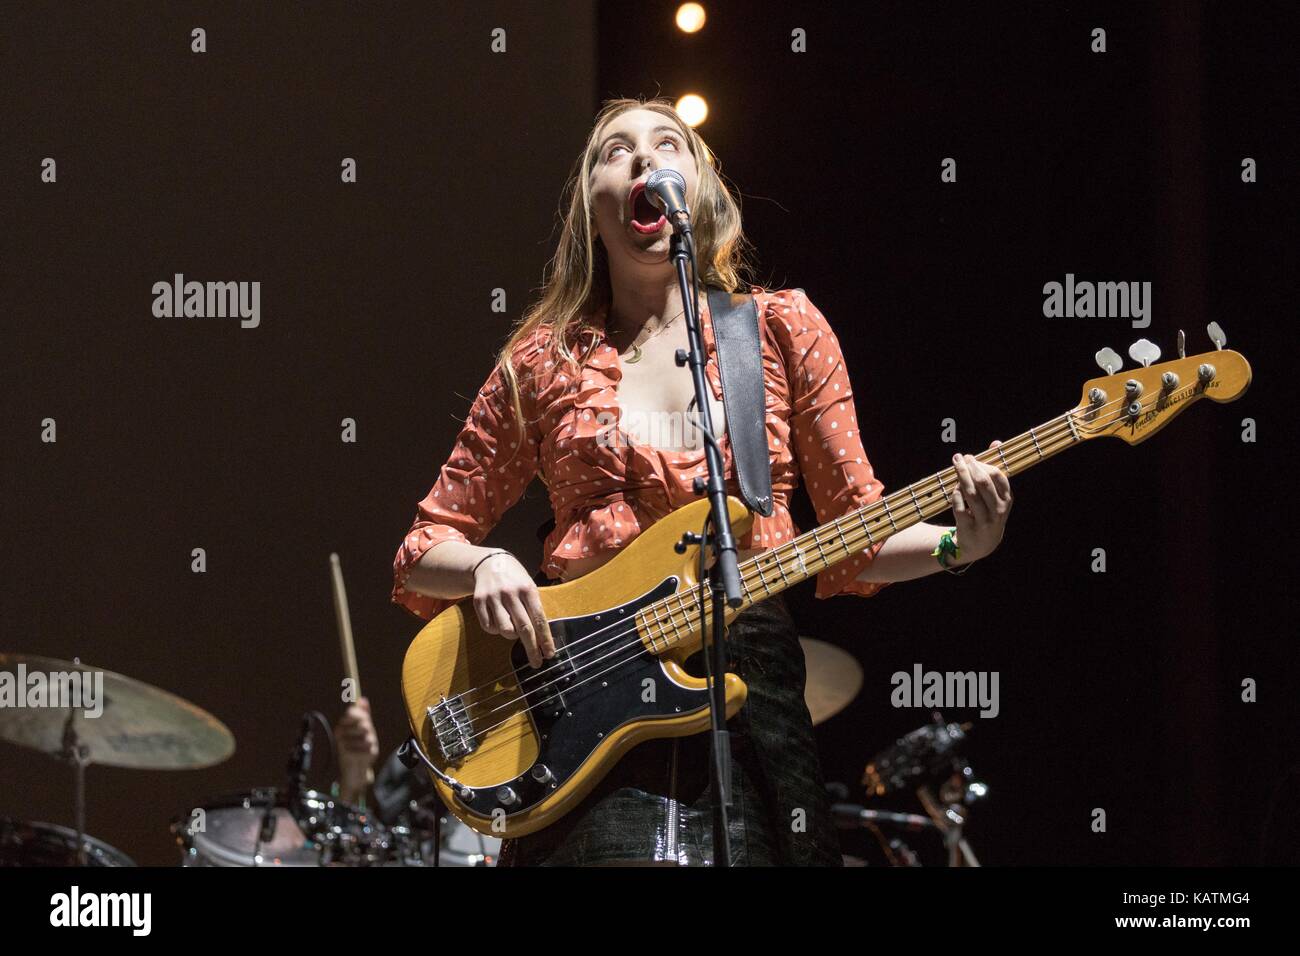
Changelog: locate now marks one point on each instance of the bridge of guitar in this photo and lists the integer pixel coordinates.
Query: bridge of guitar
(452, 729)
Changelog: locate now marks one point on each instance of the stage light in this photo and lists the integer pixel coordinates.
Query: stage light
(690, 17)
(693, 109)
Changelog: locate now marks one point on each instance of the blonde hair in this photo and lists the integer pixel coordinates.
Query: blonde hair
(576, 281)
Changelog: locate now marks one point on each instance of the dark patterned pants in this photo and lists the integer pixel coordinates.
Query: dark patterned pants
(655, 805)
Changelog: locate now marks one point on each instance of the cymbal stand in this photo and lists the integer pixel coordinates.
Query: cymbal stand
(78, 755)
(949, 817)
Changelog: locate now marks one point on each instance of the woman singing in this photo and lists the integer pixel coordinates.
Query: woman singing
(586, 394)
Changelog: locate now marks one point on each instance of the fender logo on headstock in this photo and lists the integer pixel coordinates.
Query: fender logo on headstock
(1154, 414)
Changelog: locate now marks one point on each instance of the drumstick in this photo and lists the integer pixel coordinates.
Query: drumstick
(345, 634)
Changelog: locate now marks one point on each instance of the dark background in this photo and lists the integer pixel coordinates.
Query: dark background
(1118, 690)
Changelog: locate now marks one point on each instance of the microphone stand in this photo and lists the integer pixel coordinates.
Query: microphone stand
(299, 764)
(724, 576)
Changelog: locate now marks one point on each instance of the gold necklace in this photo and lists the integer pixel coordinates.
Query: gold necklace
(636, 346)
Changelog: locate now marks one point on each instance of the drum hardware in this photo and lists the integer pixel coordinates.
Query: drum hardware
(924, 755)
(77, 756)
(299, 764)
(897, 852)
(346, 835)
(922, 760)
(949, 818)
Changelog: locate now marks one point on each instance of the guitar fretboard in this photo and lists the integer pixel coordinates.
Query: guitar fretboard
(670, 621)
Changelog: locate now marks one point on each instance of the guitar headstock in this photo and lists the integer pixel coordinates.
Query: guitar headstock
(1135, 404)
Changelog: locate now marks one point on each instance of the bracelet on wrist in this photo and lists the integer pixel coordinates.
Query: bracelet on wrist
(474, 570)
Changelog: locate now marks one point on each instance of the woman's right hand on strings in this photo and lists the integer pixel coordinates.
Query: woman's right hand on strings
(507, 603)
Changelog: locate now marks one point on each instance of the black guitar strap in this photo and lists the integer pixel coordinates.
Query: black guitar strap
(736, 336)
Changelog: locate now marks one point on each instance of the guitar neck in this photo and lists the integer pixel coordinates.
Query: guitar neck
(813, 551)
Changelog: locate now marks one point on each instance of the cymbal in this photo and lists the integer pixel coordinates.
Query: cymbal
(834, 679)
(120, 721)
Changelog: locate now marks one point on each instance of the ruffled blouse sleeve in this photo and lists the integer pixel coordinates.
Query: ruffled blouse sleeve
(828, 445)
(491, 464)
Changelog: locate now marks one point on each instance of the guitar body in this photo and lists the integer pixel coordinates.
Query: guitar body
(527, 745)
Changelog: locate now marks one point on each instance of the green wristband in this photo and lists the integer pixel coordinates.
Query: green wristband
(948, 546)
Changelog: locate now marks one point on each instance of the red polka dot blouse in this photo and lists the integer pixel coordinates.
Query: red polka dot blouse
(606, 488)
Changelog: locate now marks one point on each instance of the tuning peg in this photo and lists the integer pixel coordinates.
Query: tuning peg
(1144, 351)
(1216, 335)
(1182, 344)
(1109, 360)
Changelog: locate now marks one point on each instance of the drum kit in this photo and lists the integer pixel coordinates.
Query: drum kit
(144, 727)
(117, 721)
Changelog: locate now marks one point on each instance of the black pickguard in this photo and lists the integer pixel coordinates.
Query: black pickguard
(593, 685)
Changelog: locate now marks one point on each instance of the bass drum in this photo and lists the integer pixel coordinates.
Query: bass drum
(25, 843)
(256, 828)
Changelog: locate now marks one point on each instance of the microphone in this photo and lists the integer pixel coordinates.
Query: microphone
(667, 189)
(299, 764)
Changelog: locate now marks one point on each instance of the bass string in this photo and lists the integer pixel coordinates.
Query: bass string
(1021, 450)
(1032, 444)
(1049, 442)
(754, 575)
(639, 647)
(775, 556)
(1052, 446)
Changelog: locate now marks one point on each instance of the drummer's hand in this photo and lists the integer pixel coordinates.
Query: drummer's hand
(358, 748)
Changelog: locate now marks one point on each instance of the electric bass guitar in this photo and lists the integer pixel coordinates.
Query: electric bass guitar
(511, 748)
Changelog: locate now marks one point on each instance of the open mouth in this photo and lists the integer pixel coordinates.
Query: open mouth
(646, 216)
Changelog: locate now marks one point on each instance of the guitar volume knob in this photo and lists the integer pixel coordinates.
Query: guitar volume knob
(506, 796)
